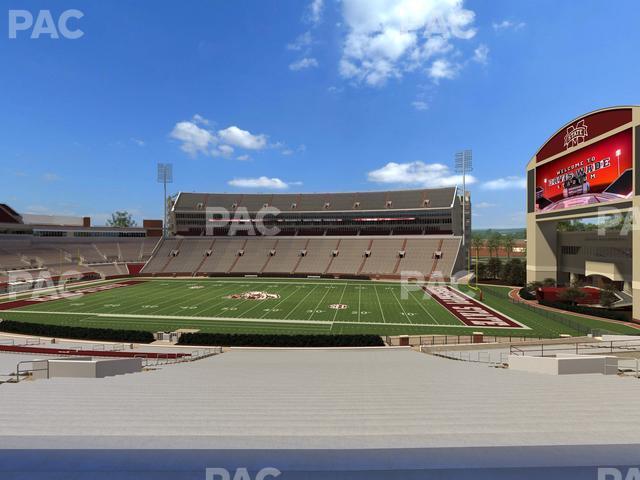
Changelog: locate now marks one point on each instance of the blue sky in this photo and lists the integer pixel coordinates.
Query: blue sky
(293, 95)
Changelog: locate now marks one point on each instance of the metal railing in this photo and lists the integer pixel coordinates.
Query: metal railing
(577, 348)
(435, 340)
(160, 359)
(31, 370)
(629, 366)
(29, 341)
(495, 359)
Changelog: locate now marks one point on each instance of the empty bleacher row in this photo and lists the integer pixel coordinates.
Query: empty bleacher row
(316, 202)
(344, 256)
(105, 256)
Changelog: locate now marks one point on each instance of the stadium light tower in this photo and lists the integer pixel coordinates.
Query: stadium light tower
(165, 175)
(464, 165)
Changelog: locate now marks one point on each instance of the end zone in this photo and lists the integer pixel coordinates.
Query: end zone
(469, 311)
(71, 294)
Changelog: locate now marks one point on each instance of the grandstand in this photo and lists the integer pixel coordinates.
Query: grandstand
(68, 247)
(340, 235)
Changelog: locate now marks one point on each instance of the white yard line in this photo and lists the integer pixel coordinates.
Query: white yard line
(246, 320)
(177, 317)
(300, 302)
(316, 307)
(380, 304)
(339, 302)
(427, 311)
(403, 310)
(283, 299)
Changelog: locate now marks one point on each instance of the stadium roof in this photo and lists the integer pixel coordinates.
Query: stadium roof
(373, 398)
(316, 202)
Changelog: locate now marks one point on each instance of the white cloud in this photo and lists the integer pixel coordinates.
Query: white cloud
(484, 205)
(260, 182)
(429, 175)
(420, 105)
(243, 158)
(508, 25)
(194, 138)
(223, 151)
(506, 183)
(199, 119)
(442, 68)
(388, 37)
(138, 142)
(303, 63)
(315, 10)
(242, 138)
(481, 54)
(303, 41)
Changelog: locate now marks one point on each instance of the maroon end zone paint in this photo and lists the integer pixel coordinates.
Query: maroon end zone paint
(64, 295)
(469, 311)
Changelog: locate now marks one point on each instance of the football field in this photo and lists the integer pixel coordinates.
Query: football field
(259, 305)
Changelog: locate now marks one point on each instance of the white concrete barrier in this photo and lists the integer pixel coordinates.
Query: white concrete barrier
(86, 367)
(565, 364)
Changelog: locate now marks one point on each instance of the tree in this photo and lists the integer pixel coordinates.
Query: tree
(121, 220)
(477, 243)
(548, 282)
(494, 243)
(533, 287)
(494, 267)
(482, 271)
(506, 271)
(572, 294)
(517, 272)
(508, 242)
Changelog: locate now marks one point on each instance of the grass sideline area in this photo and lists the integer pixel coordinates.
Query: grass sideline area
(296, 306)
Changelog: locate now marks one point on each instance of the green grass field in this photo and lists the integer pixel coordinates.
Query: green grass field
(302, 306)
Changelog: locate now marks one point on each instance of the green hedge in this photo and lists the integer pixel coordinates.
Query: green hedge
(81, 333)
(526, 294)
(256, 340)
(596, 312)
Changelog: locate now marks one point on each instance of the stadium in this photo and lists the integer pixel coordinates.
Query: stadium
(374, 277)
(319, 240)
(385, 263)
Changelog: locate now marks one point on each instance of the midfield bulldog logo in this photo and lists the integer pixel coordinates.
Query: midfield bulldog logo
(575, 134)
(339, 306)
(254, 296)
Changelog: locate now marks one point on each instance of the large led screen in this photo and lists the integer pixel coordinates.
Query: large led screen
(598, 173)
